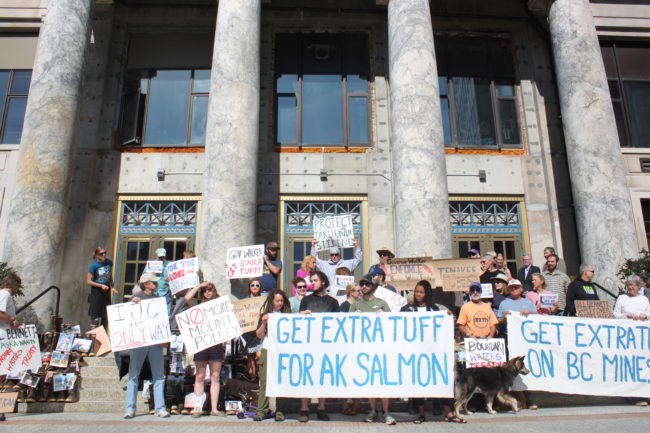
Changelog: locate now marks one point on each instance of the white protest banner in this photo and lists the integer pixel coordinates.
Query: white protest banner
(333, 231)
(208, 324)
(486, 291)
(394, 300)
(19, 350)
(138, 324)
(344, 280)
(485, 353)
(548, 300)
(245, 262)
(183, 274)
(155, 266)
(361, 355)
(588, 356)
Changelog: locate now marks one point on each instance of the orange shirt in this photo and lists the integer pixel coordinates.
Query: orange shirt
(478, 317)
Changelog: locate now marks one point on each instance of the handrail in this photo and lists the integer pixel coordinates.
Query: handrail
(605, 290)
(58, 298)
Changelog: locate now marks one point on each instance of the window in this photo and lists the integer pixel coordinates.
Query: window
(14, 87)
(165, 107)
(477, 92)
(628, 73)
(321, 90)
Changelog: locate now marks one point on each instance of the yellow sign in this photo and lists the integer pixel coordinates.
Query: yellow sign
(248, 312)
(453, 275)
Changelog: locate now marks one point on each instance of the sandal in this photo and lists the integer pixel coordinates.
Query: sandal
(419, 420)
(454, 419)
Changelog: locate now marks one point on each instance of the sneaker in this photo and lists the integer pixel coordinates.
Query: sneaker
(129, 414)
(389, 420)
(162, 413)
(372, 417)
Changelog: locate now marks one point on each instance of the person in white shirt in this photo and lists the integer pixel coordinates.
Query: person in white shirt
(632, 305)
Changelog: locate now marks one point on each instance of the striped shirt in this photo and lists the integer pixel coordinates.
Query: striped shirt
(557, 282)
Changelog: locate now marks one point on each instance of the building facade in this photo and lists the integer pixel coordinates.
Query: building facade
(441, 126)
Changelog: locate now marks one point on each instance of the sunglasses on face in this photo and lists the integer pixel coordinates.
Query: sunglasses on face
(274, 249)
(336, 254)
(475, 290)
(383, 255)
(365, 284)
(301, 287)
(255, 285)
(103, 253)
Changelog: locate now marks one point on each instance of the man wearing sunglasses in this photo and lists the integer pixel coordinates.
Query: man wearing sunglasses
(272, 267)
(330, 266)
(476, 318)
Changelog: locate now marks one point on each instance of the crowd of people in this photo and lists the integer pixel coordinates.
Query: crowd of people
(315, 290)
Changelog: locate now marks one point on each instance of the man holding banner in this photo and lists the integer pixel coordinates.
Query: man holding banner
(148, 283)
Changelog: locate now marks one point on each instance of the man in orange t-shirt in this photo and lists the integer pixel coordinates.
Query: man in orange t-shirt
(476, 318)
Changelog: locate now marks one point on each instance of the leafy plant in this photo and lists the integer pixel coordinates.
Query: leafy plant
(5, 270)
(639, 266)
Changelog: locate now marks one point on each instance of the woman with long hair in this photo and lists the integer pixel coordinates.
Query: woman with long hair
(306, 268)
(212, 355)
(276, 302)
(253, 344)
(100, 280)
(300, 286)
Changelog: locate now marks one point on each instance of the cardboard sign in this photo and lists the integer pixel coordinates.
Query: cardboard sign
(344, 280)
(248, 312)
(581, 355)
(485, 353)
(394, 301)
(19, 350)
(102, 344)
(154, 266)
(183, 274)
(548, 300)
(138, 324)
(594, 309)
(453, 275)
(333, 231)
(486, 291)
(208, 324)
(361, 355)
(7, 401)
(245, 262)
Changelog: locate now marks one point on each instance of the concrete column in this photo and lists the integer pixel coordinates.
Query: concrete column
(230, 176)
(35, 233)
(422, 225)
(601, 197)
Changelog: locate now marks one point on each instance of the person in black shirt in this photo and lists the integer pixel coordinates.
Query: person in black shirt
(318, 302)
(580, 289)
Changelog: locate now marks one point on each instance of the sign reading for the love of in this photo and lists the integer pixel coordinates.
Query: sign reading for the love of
(361, 355)
(208, 324)
(183, 274)
(138, 324)
(19, 350)
(245, 262)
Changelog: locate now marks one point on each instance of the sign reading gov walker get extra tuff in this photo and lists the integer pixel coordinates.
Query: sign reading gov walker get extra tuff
(360, 355)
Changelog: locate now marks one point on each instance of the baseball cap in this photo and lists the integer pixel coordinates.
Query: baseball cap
(475, 284)
(334, 251)
(161, 252)
(514, 283)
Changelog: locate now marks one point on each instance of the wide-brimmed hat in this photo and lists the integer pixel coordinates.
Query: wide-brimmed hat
(500, 276)
(386, 250)
(148, 276)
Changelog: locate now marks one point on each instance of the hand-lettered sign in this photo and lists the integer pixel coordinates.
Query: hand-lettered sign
(138, 324)
(486, 291)
(245, 262)
(582, 355)
(594, 309)
(394, 300)
(361, 355)
(333, 231)
(248, 312)
(453, 275)
(183, 274)
(7, 401)
(208, 324)
(548, 300)
(485, 353)
(19, 350)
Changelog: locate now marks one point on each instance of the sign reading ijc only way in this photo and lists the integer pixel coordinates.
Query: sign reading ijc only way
(138, 324)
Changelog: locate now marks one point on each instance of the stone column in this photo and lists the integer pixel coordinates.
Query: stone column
(231, 149)
(422, 226)
(35, 232)
(601, 197)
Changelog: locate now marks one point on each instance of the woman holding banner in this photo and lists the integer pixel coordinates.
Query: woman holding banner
(253, 344)
(276, 302)
(213, 355)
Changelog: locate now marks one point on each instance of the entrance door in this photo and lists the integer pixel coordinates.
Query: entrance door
(508, 245)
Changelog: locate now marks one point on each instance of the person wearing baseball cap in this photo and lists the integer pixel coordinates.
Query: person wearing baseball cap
(476, 318)
(163, 284)
(515, 302)
(330, 266)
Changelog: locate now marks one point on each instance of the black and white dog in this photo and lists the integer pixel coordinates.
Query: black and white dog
(492, 382)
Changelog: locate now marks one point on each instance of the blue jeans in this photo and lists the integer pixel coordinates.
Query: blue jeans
(155, 356)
